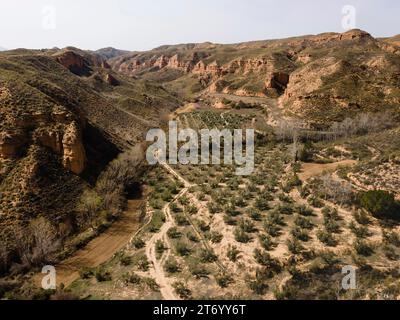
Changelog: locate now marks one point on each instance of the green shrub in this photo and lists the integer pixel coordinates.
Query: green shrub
(181, 220)
(171, 266)
(223, 280)
(182, 291)
(173, 233)
(131, 278)
(138, 243)
(264, 258)
(102, 275)
(142, 263)
(266, 242)
(294, 246)
(199, 271)
(125, 260)
(160, 247)
(206, 256)
(215, 237)
(381, 204)
(182, 249)
(241, 236)
(233, 253)
(327, 238)
(363, 248)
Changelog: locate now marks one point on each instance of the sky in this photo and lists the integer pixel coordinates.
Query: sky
(146, 24)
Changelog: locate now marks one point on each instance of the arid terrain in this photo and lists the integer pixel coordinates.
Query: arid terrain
(76, 191)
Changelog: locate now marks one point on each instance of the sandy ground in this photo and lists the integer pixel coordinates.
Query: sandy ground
(100, 249)
(310, 170)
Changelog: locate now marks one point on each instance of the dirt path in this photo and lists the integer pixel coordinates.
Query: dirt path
(157, 270)
(310, 170)
(101, 249)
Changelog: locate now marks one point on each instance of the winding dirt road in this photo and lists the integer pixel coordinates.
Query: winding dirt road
(101, 249)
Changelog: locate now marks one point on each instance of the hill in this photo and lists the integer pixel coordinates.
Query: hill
(322, 77)
(64, 115)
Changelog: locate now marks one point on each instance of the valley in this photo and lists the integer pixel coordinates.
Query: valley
(324, 194)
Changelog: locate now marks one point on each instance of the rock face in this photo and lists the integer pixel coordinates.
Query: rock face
(74, 156)
(305, 72)
(11, 143)
(72, 61)
(111, 80)
(277, 80)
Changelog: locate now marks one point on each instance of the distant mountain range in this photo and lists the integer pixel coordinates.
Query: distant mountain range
(2, 49)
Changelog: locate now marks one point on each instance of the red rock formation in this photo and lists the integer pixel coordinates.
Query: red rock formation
(277, 80)
(71, 61)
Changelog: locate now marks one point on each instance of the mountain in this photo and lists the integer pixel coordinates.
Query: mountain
(322, 77)
(2, 49)
(109, 52)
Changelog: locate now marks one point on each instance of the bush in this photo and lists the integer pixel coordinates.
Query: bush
(233, 253)
(257, 284)
(300, 234)
(294, 246)
(286, 209)
(138, 243)
(207, 256)
(199, 271)
(132, 278)
(247, 225)
(362, 217)
(266, 242)
(360, 232)
(223, 280)
(265, 259)
(363, 248)
(171, 266)
(327, 238)
(182, 249)
(173, 233)
(102, 275)
(182, 291)
(303, 223)
(125, 260)
(143, 264)
(86, 273)
(315, 202)
(305, 211)
(216, 237)
(381, 204)
(392, 238)
(181, 220)
(262, 204)
(241, 236)
(160, 247)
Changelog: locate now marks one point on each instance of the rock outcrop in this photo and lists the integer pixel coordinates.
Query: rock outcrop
(111, 80)
(11, 143)
(74, 156)
(277, 80)
(72, 61)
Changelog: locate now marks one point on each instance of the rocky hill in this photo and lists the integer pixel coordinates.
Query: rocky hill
(322, 77)
(109, 52)
(64, 115)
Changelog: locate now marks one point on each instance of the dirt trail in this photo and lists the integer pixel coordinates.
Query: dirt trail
(100, 249)
(157, 270)
(310, 170)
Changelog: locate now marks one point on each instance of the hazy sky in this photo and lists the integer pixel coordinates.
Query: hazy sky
(145, 24)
